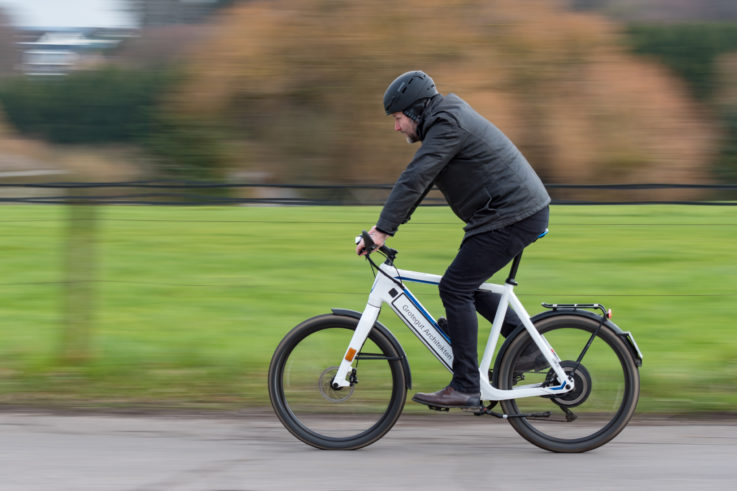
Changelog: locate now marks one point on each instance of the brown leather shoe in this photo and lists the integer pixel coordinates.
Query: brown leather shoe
(449, 397)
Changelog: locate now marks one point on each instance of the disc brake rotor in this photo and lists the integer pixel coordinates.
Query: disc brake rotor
(325, 384)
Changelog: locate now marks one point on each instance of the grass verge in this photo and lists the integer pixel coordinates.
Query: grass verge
(186, 304)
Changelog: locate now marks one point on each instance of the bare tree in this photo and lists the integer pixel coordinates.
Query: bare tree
(152, 13)
(160, 45)
(9, 51)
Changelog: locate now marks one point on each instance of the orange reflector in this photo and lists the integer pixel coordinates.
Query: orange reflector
(609, 314)
(351, 353)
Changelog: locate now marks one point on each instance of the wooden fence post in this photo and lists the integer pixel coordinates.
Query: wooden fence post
(80, 281)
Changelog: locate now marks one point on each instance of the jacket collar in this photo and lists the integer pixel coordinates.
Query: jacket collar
(425, 120)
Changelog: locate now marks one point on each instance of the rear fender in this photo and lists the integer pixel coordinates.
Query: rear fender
(625, 336)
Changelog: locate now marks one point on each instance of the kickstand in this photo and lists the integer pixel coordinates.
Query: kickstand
(570, 415)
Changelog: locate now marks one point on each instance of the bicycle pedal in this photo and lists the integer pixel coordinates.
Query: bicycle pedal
(481, 411)
(438, 408)
(477, 410)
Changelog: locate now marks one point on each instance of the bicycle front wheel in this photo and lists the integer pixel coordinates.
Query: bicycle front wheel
(300, 376)
(606, 385)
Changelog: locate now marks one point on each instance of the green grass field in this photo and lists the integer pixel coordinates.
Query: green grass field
(188, 303)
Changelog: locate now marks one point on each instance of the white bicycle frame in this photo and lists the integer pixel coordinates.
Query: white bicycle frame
(387, 289)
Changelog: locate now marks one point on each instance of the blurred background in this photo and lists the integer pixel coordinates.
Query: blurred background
(288, 91)
(279, 101)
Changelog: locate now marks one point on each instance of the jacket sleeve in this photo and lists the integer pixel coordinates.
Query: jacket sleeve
(441, 143)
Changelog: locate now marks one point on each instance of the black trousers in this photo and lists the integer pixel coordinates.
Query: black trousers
(479, 257)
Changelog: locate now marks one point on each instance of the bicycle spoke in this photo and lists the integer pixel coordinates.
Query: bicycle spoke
(605, 386)
(303, 395)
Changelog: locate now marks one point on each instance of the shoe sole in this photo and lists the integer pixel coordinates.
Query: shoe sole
(445, 407)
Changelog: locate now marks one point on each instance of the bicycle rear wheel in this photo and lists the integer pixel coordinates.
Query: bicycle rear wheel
(300, 376)
(607, 385)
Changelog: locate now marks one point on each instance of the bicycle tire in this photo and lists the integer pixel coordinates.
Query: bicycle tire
(299, 379)
(607, 385)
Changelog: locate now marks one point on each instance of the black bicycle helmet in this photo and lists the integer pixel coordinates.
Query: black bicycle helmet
(406, 92)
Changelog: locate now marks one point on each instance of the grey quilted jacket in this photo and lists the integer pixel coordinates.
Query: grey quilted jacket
(486, 180)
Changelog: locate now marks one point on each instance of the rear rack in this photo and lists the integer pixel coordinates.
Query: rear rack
(577, 306)
(606, 314)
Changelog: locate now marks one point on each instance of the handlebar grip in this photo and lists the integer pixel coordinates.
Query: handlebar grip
(370, 246)
(368, 242)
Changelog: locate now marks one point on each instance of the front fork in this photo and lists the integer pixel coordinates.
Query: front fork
(346, 376)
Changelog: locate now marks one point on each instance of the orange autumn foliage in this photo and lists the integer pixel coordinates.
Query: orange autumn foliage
(299, 83)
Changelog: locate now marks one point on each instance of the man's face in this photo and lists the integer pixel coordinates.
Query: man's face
(405, 125)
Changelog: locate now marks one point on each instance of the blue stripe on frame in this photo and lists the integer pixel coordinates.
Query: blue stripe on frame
(425, 313)
(417, 281)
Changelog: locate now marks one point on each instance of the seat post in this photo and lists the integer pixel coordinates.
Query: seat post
(513, 272)
(515, 263)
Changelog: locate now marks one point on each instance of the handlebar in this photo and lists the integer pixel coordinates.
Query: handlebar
(370, 247)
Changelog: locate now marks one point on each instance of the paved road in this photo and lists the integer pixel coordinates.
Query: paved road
(439, 451)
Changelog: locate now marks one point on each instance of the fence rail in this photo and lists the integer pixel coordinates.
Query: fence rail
(211, 193)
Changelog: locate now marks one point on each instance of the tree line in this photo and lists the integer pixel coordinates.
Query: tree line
(291, 90)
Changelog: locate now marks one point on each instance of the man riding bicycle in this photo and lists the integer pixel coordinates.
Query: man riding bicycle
(489, 185)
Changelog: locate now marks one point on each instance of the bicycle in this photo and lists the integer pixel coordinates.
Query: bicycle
(571, 398)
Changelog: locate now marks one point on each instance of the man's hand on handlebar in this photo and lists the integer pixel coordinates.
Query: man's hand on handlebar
(378, 238)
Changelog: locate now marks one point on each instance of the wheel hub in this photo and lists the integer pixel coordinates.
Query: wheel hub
(582, 385)
(325, 384)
